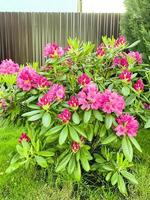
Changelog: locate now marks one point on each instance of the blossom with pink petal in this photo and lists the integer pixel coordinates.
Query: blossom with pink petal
(146, 106)
(120, 41)
(120, 61)
(42, 81)
(111, 102)
(57, 92)
(45, 101)
(24, 137)
(9, 67)
(126, 75)
(65, 116)
(88, 97)
(84, 79)
(53, 51)
(75, 147)
(73, 102)
(26, 77)
(127, 125)
(136, 56)
(139, 85)
(100, 50)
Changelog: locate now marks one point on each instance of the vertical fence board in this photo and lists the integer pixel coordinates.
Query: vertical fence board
(23, 35)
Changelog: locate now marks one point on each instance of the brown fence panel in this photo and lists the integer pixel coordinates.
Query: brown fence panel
(23, 35)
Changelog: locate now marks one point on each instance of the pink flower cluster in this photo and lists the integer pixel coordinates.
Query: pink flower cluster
(56, 92)
(29, 79)
(126, 75)
(65, 116)
(84, 79)
(53, 51)
(100, 50)
(89, 97)
(9, 67)
(73, 102)
(136, 56)
(111, 102)
(120, 41)
(146, 106)
(139, 85)
(127, 125)
(75, 147)
(3, 104)
(24, 137)
(121, 61)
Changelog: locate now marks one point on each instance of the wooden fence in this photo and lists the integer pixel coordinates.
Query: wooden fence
(23, 35)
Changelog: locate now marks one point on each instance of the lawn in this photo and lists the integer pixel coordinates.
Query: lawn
(42, 185)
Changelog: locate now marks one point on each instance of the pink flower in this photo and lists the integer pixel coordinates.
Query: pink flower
(42, 81)
(45, 101)
(125, 75)
(65, 116)
(9, 67)
(84, 79)
(146, 106)
(111, 102)
(73, 102)
(120, 61)
(3, 104)
(120, 41)
(53, 50)
(127, 125)
(26, 77)
(139, 85)
(136, 56)
(100, 50)
(24, 137)
(75, 147)
(57, 92)
(88, 97)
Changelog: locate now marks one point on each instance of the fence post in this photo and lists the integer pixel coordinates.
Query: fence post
(79, 5)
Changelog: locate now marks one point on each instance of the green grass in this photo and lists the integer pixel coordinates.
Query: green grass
(38, 185)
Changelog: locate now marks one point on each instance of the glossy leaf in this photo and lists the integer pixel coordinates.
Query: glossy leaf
(63, 135)
(87, 116)
(46, 119)
(76, 118)
(127, 148)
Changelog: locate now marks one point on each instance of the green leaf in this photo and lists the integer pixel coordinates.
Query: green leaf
(41, 161)
(54, 130)
(76, 118)
(45, 153)
(30, 99)
(98, 115)
(20, 150)
(80, 131)
(108, 176)
(63, 163)
(147, 125)
(108, 121)
(74, 135)
(134, 44)
(125, 91)
(109, 139)
(63, 135)
(71, 165)
(35, 117)
(31, 113)
(14, 166)
(129, 176)
(102, 131)
(114, 178)
(85, 163)
(46, 119)
(77, 172)
(87, 116)
(130, 99)
(121, 185)
(34, 106)
(135, 143)
(127, 148)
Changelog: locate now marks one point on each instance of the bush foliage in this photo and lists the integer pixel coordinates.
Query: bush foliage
(81, 110)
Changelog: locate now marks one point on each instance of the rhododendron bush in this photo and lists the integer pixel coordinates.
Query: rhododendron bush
(82, 110)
